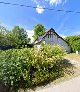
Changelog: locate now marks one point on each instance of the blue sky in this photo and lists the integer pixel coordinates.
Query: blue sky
(65, 24)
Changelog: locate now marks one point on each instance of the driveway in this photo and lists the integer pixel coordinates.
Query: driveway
(72, 85)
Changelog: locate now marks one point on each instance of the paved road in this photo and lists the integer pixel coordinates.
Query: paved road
(72, 85)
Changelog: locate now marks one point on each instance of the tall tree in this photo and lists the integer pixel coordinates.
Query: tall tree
(13, 39)
(39, 31)
(3, 37)
(20, 34)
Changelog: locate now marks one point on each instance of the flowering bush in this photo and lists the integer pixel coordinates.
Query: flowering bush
(28, 67)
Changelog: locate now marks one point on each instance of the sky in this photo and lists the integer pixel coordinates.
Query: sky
(64, 23)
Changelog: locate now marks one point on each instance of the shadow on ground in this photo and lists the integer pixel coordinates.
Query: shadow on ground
(67, 66)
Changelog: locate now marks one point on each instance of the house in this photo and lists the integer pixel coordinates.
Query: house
(52, 38)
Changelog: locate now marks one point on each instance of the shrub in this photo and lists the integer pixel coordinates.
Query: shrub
(74, 42)
(28, 67)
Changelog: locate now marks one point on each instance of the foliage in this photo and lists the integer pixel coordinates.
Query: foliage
(39, 31)
(28, 40)
(20, 33)
(74, 42)
(3, 33)
(20, 68)
(13, 39)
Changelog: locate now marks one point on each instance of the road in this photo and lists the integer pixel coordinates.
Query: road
(72, 85)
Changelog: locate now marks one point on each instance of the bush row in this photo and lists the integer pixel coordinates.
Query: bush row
(23, 68)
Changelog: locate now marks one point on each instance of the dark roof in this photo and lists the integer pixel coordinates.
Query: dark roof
(41, 37)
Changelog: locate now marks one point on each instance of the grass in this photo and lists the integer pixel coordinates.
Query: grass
(73, 56)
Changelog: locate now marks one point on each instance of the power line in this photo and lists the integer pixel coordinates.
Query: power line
(45, 8)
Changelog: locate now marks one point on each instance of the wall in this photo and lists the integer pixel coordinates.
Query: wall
(55, 40)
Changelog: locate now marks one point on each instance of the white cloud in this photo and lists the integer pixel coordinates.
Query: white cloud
(41, 3)
(39, 9)
(36, 1)
(56, 2)
(51, 2)
(63, 36)
(30, 34)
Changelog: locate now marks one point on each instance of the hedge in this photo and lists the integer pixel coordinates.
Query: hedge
(24, 68)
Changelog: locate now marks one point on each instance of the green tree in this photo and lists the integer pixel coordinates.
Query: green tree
(74, 42)
(29, 40)
(13, 39)
(21, 35)
(39, 31)
(3, 36)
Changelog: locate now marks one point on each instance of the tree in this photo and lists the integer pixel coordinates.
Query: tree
(74, 42)
(13, 39)
(3, 37)
(21, 35)
(76, 45)
(39, 31)
(29, 40)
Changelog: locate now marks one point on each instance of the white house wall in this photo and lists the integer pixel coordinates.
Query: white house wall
(55, 40)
